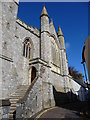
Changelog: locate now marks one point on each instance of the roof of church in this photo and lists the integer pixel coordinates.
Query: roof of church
(44, 11)
(60, 32)
(32, 29)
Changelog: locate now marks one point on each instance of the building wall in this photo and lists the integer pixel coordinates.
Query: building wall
(55, 56)
(49, 60)
(15, 67)
(5, 112)
(78, 90)
(22, 62)
(9, 73)
(86, 54)
(40, 94)
(32, 103)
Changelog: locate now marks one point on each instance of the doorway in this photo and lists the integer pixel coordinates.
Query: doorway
(32, 74)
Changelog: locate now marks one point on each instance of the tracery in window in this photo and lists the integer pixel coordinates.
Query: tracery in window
(27, 48)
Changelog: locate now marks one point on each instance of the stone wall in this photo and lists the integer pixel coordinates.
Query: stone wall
(48, 58)
(0, 50)
(15, 66)
(78, 89)
(9, 73)
(44, 71)
(32, 102)
(48, 98)
(4, 109)
(23, 63)
(66, 84)
(86, 55)
(40, 94)
(58, 81)
(55, 55)
(5, 114)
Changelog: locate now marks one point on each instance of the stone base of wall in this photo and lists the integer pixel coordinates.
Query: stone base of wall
(4, 109)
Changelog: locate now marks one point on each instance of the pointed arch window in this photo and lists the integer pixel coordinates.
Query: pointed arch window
(27, 49)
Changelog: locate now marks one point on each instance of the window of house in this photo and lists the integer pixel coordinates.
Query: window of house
(27, 49)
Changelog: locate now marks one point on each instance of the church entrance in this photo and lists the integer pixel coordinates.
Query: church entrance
(32, 74)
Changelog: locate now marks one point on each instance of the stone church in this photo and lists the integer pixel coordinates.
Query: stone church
(34, 65)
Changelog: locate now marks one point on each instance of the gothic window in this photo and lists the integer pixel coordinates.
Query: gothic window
(27, 48)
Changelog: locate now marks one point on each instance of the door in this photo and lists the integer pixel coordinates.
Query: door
(32, 75)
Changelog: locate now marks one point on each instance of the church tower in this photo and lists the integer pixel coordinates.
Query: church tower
(45, 56)
(64, 64)
(63, 58)
(45, 40)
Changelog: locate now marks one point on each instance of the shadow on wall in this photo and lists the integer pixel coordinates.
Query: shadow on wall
(69, 101)
(64, 98)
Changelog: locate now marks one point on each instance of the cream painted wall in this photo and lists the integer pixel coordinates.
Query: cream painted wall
(87, 55)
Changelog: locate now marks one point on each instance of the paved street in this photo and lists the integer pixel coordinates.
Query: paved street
(69, 111)
(59, 112)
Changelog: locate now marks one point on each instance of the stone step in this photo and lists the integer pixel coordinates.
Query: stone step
(16, 97)
(21, 92)
(11, 117)
(24, 89)
(12, 108)
(13, 105)
(22, 86)
(12, 111)
(11, 114)
(18, 94)
(13, 102)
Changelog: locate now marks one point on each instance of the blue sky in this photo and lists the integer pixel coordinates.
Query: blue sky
(73, 19)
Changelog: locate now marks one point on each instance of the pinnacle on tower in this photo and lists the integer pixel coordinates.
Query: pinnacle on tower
(60, 32)
(51, 21)
(44, 11)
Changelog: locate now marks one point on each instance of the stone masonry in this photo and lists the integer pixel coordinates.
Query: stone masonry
(38, 67)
